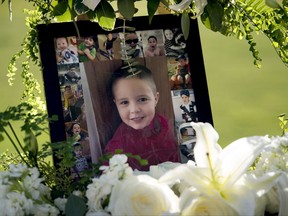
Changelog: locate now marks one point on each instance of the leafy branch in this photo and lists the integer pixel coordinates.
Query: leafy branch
(283, 123)
(241, 18)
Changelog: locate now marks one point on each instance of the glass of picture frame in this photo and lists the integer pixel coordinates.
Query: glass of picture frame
(76, 71)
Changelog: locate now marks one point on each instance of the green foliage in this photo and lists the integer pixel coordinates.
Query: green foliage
(240, 18)
(283, 123)
(105, 15)
(126, 8)
(80, 8)
(152, 6)
(30, 53)
(213, 15)
(244, 17)
(185, 24)
(75, 206)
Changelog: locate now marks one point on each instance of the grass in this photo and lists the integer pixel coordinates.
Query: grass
(245, 100)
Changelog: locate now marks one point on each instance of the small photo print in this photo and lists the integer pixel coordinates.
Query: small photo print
(109, 46)
(174, 42)
(153, 43)
(179, 72)
(66, 50)
(87, 48)
(185, 112)
(184, 106)
(187, 141)
(68, 74)
(133, 41)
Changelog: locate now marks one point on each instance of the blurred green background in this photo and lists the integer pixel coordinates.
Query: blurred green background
(245, 100)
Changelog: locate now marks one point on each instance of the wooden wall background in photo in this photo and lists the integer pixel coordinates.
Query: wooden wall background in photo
(106, 115)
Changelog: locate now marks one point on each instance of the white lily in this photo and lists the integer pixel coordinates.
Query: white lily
(184, 4)
(200, 4)
(181, 5)
(282, 186)
(91, 4)
(220, 175)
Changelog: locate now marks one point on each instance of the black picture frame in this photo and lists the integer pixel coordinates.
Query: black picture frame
(51, 69)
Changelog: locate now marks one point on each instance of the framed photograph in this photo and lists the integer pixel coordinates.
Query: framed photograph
(77, 69)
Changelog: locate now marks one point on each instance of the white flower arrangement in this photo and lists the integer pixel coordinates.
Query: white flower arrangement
(274, 158)
(248, 177)
(220, 183)
(23, 193)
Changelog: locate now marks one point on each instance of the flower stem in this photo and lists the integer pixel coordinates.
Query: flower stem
(14, 144)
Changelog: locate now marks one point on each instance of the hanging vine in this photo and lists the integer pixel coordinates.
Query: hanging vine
(238, 18)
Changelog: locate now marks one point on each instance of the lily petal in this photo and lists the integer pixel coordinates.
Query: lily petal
(200, 4)
(197, 177)
(243, 206)
(91, 4)
(236, 158)
(180, 6)
(283, 194)
(206, 144)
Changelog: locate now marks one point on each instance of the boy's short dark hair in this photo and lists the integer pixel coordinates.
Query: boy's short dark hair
(77, 144)
(182, 56)
(183, 130)
(152, 36)
(140, 72)
(185, 92)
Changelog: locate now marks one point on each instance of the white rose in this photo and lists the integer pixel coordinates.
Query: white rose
(192, 203)
(98, 191)
(156, 171)
(142, 195)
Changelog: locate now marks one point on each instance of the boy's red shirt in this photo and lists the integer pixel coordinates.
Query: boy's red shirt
(155, 143)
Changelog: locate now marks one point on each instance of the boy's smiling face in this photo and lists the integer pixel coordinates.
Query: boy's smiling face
(61, 43)
(185, 99)
(168, 34)
(135, 101)
(88, 42)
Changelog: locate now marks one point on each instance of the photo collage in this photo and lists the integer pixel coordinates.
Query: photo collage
(167, 45)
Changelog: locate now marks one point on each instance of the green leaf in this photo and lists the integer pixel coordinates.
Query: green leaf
(212, 16)
(273, 4)
(54, 118)
(185, 24)
(152, 6)
(126, 8)
(75, 206)
(105, 15)
(1, 138)
(68, 15)
(80, 8)
(60, 7)
(165, 3)
(31, 144)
